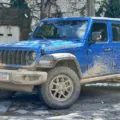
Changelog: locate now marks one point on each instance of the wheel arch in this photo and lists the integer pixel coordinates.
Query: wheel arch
(70, 61)
(61, 59)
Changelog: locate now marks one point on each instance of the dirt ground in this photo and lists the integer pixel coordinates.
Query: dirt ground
(94, 103)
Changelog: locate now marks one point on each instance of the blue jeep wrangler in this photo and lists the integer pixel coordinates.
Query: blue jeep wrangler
(61, 54)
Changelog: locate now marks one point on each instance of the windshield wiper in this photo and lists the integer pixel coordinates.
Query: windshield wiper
(41, 36)
(63, 37)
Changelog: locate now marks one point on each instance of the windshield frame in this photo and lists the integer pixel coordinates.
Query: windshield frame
(53, 22)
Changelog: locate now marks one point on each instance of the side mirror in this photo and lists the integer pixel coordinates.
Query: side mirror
(96, 36)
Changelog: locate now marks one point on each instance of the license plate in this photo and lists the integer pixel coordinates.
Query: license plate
(4, 76)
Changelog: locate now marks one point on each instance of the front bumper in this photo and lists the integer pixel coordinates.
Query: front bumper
(22, 77)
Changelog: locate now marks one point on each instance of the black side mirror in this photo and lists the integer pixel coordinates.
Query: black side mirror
(96, 36)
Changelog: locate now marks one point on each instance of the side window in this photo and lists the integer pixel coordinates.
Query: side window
(102, 28)
(116, 32)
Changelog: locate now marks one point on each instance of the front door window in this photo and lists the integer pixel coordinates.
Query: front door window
(102, 28)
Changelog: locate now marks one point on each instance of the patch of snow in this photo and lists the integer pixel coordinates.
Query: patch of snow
(104, 84)
(22, 111)
(4, 106)
(20, 118)
(102, 102)
(65, 117)
(98, 118)
(116, 107)
(29, 106)
(43, 108)
(41, 112)
(13, 109)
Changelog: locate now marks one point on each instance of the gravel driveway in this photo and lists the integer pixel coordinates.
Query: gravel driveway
(94, 103)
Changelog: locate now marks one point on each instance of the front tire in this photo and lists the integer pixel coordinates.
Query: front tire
(61, 89)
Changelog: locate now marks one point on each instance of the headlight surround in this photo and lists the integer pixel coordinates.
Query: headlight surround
(47, 61)
(31, 57)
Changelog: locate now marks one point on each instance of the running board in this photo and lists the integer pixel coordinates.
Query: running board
(111, 78)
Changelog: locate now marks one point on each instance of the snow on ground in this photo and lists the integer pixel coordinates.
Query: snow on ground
(4, 105)
(21, 111)
(105, 84)
(94, 103)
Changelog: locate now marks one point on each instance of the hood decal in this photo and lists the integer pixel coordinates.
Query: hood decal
(64, 47)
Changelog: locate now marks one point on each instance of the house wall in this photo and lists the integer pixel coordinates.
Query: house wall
(16, 19)
(9, 34)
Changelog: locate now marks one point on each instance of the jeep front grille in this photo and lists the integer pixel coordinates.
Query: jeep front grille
(14, 57)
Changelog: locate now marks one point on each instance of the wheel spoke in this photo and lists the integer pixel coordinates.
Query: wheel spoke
(63, 95)
(68, 87)
(66, 82)
(55, 93)
(59, 95)
(55, 84)
(57, 80)
(54, 89)
(67, 91)
(63, 80)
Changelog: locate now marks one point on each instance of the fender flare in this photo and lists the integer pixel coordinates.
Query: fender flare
(67, 56)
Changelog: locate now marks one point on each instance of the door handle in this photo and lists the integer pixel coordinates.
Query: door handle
(108, 50)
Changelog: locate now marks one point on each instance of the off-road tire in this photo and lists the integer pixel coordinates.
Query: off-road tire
(4, 94)
(44, 90)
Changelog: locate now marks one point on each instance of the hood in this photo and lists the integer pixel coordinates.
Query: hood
(42, 44)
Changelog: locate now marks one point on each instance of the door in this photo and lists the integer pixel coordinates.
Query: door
(99, 52)
(115, 39)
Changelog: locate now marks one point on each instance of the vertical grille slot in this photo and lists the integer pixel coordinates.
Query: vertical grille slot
(2, 57)
(9, 57)
(26, 57)
(13, 57)
(23, 58)
(20, 56)
(17, 57)
(5, 56)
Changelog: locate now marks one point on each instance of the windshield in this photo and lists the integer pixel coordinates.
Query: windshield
(61, 29)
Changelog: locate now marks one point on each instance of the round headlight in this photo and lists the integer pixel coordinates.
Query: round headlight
(33, 56)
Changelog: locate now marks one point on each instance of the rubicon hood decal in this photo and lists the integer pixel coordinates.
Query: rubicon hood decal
(64, 47)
